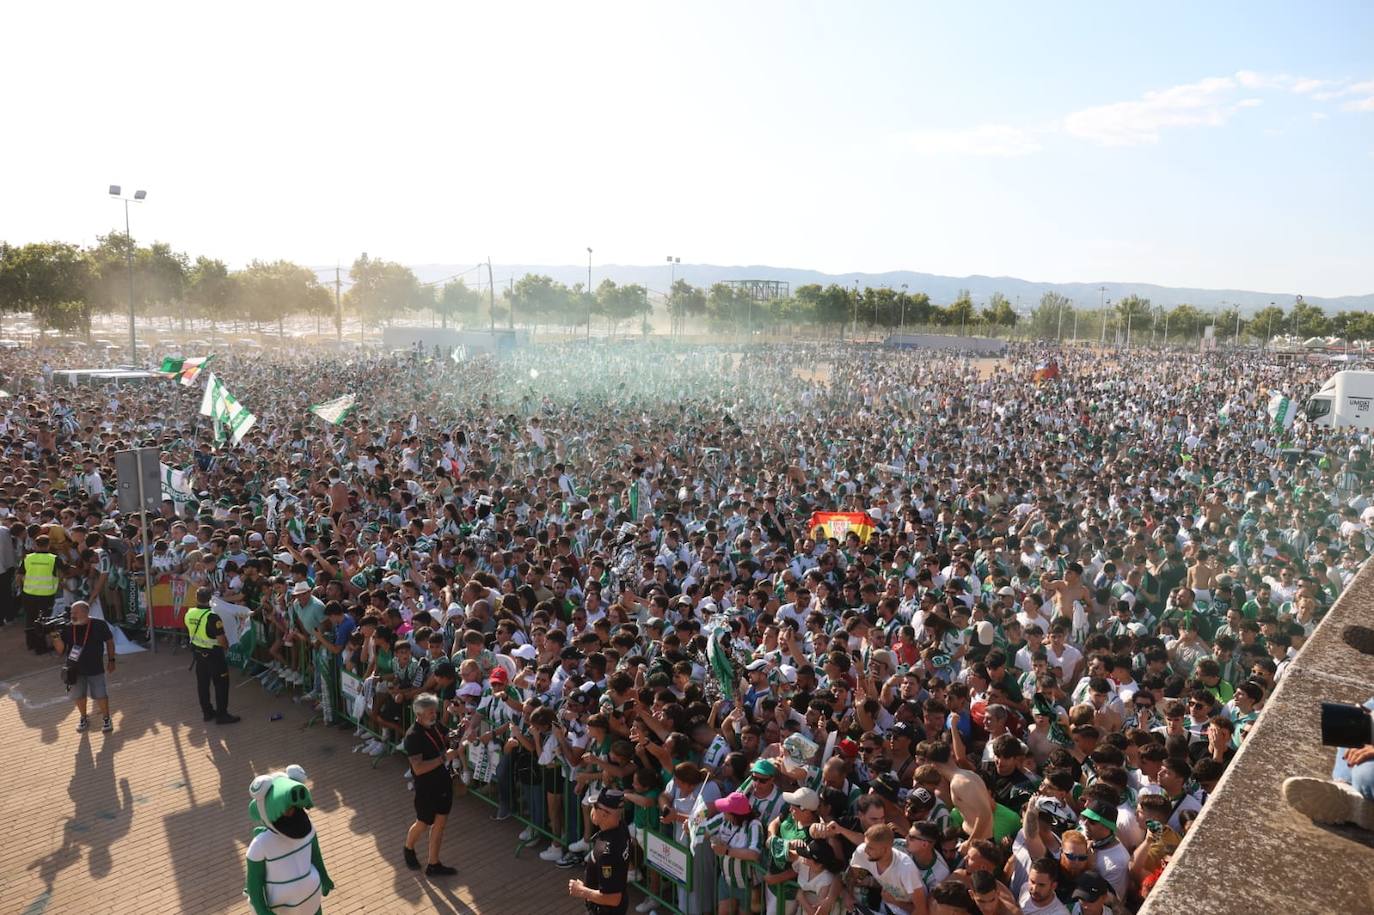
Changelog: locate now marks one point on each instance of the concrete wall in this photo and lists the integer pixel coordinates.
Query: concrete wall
(1249, 853)
(987, 346)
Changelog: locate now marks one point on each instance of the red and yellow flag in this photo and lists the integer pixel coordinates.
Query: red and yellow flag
(839, 524)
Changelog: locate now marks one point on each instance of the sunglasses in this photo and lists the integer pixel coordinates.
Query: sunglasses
(1069, 857)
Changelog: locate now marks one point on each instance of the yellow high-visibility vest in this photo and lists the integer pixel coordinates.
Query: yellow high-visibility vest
(197, 624)
(40, 578)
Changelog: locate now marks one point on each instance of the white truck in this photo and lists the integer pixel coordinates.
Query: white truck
(1345, 401)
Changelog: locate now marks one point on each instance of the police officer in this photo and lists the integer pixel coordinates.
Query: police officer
(209, 644)
(604, 884)
(39, 578)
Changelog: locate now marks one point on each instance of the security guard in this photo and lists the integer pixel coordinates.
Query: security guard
(38, 578)
(604, 884)
(209, 644)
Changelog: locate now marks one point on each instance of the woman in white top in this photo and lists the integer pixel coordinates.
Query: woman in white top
(819, 886)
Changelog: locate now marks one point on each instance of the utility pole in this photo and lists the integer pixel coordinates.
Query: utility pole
(338, 304)
(512, 302)
(589, 294)
(491, 296)
(1102, 308)
(362, 332)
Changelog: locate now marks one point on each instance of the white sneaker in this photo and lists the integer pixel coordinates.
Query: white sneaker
(552, 853)
(312, 696)
(377, 748)
(359, 731)
(633, 877)
(580, 847)
(407, 774)
(647, 905)
(467, 778)
(1328, 801)
(527, 834)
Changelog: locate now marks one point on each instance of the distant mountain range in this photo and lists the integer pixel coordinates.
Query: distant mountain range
(941, 289)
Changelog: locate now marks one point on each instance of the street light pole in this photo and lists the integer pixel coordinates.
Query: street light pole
(589, 292)
(672, 281)
(139, 197)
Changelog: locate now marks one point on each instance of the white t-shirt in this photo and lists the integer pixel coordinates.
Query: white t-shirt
(901, 880)
(1114, 864)
(1031, 907)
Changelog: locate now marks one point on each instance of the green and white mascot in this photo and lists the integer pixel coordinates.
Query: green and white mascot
(286, 874)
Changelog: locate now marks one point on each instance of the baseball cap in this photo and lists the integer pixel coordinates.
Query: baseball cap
(922, 797)
(525, 653)
(611, 799)
(804, 798)
(1006, 591)
(886, 786)
(759, 664)
(570, 654)
(734, 802)
(190, 540)
(499, 675)
(280, 557)
(469, 689)
(301, 587)
(764, 767)
(848, 748)
(902, 729)
(1091, 886)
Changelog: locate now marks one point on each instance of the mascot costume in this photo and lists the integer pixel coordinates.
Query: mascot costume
(286, 874)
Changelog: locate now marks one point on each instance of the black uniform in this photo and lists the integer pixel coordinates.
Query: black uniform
(211, 666)
(607, 869)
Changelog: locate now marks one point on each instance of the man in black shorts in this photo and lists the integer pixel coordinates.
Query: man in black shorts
(426, 746)
(604, 884)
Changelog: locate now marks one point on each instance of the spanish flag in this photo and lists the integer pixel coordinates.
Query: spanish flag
(1045, 371)
(839, 524)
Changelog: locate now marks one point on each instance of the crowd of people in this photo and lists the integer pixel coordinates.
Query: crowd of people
(593, 572)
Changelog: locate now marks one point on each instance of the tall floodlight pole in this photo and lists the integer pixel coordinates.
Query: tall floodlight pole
(589, 292)
(139, 197)
(672, 281)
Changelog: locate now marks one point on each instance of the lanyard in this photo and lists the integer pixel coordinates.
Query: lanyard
(429, 732)
(84, 636)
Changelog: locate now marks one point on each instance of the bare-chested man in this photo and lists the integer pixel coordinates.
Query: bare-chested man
(967, 793)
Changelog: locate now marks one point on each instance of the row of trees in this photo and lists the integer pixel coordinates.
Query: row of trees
(1056, 317)
(63, 285)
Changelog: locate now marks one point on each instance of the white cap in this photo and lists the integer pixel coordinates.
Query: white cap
(301, 587)
(525, 653)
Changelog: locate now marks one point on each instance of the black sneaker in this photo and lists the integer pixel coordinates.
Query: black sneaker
(108, 725)
(207, 716)
(412, 859)
(440, 870)
(226, 718)
(571, 859)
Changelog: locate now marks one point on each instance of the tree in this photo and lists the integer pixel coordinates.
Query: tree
(271, 291)
(537, 296)
(382, 289)
(1133, 316)
(959, 312)
(50, 279)
(685, 301)
(1184, 322)
(1049, 317)
(999, 312)
(457, 300)
(728, 307)
(210, 288)
(828, 305)
(1268, 321)
(1308, 320)
(620, 303)
(163, 274)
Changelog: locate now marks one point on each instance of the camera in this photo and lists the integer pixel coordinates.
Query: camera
(1346, 725)
(50, 624)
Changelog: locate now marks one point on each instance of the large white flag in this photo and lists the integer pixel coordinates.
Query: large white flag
(335, 411)
(220, 406)
(1282, 411)
(176, 485)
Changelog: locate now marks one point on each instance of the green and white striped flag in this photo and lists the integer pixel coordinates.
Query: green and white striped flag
(176, 485)
(224, 410)
(1281, 411)
(1224, 414)
(335, 411)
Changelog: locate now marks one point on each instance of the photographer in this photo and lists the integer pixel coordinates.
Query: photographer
(427, 747)
(1348, 796)
(83, 640)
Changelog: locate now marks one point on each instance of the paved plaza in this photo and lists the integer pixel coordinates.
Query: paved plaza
(154, 817)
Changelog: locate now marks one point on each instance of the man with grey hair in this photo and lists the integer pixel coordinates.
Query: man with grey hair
(427, 748)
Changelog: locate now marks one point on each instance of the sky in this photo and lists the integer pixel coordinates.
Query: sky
(1219, 145)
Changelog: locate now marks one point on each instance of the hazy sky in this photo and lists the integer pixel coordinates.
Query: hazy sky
(1217, 144)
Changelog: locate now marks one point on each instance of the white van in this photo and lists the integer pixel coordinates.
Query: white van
(1345, 401)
